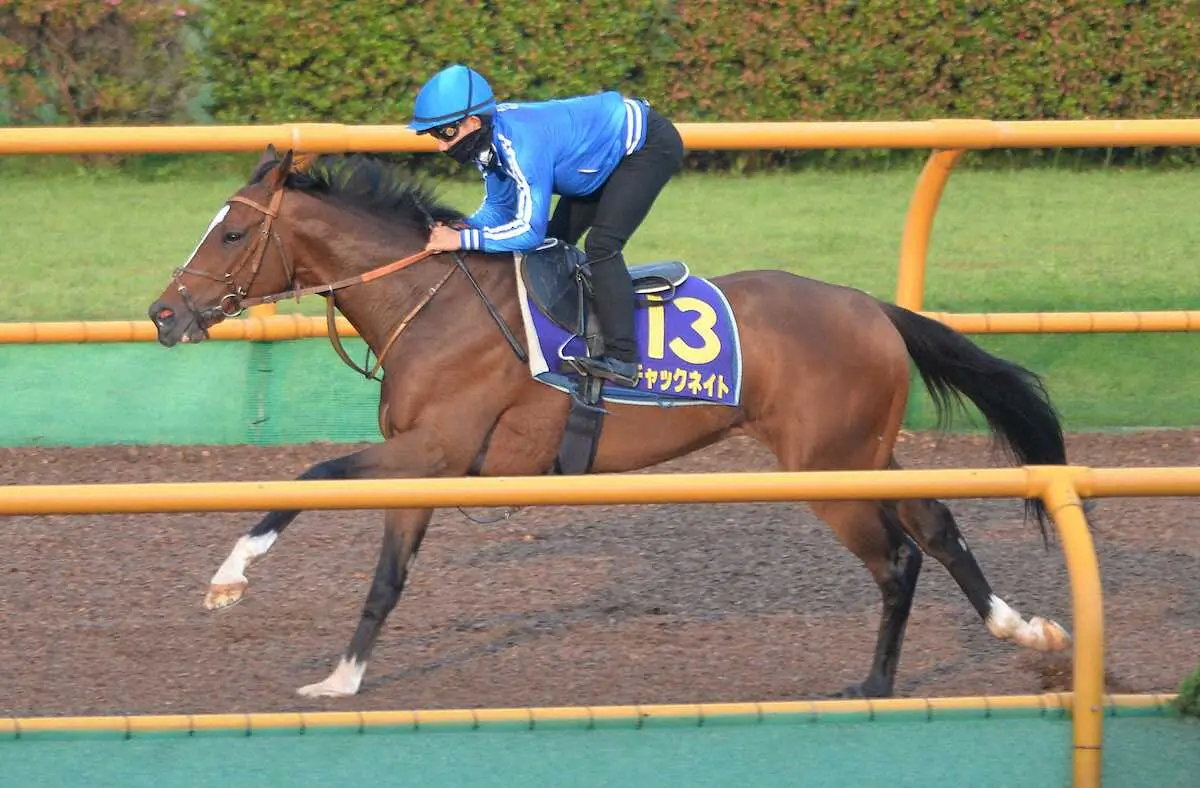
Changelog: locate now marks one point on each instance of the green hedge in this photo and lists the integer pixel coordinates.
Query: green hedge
(362, 61)
(87, 62)
(708, 60)
(1188, 701)
(275, 60)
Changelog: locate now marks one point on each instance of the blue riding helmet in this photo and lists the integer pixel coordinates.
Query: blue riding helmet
(451, 95)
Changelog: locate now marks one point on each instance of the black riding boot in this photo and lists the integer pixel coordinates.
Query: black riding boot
(613, 292)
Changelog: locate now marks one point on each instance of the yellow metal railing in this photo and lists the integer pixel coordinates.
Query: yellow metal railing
(1061, 488)
(276, 327)
(951, 133)
(914, 243)
(1051, 704)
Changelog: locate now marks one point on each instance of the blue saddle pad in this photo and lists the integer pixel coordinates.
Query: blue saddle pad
(690, 349)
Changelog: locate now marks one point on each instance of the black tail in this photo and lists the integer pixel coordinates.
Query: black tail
(1011, 398)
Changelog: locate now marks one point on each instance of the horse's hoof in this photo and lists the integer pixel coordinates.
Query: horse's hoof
(342, 683)
(221, 595)
(1038, 634)
(859, 691)
(1050, 637)
(852, 692)
(324, 689)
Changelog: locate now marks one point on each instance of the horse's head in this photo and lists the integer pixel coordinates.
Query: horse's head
(239, 257)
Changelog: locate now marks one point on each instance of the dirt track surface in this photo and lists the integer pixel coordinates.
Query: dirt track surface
(559, 606)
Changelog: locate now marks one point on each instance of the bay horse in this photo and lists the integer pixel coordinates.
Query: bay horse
(825, 380)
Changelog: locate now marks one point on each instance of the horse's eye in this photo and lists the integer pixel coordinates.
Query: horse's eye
(233, 237)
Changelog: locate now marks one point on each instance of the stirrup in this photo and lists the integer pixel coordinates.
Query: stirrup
(603, 367)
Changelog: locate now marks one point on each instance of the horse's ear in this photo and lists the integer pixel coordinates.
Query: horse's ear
(274, 179)
(301, 162)
(269, 155)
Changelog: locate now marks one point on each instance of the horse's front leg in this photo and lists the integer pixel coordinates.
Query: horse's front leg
(229, 583)
(402, 534)
(414, 453)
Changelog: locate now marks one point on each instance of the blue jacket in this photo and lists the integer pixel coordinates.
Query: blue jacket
(566, 146)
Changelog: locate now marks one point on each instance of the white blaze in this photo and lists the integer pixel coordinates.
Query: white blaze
(216, 220)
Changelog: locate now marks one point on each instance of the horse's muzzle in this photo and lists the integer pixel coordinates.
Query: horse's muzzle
(174, 328)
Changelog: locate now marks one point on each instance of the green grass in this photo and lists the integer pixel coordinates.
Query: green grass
(1188, 701)
(86, 247)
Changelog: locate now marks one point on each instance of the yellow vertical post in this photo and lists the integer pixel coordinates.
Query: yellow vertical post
(1087, 711)
(914, 245)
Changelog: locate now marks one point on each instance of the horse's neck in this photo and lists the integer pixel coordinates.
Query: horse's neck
(375, 307)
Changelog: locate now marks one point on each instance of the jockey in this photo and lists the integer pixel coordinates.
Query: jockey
(606, 156)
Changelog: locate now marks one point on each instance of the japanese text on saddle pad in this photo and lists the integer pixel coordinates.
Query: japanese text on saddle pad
(689, 345)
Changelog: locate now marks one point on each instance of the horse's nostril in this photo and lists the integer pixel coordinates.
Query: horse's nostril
(164, 316)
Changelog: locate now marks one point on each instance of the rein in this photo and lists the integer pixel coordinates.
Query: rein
(374, 273)
(336, 341)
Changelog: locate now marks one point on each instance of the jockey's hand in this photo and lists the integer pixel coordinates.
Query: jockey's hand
(443, 239)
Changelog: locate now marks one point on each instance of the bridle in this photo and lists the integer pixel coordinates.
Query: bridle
(235, 301)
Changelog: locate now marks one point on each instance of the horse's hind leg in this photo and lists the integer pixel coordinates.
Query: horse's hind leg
(931, 524)
(872, 531)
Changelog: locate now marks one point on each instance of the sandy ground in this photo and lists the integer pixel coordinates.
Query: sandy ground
(558, 606)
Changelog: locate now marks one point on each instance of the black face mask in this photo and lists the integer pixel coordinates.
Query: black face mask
(472, 145)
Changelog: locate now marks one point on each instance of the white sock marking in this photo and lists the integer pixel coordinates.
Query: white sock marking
(245, 550)
(345, 680)
(1003, 621)
(1037, 633)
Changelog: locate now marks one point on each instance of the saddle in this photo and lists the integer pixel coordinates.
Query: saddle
(558, 280)
(559, 284)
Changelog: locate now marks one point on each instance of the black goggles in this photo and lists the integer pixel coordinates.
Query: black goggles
(446, 132)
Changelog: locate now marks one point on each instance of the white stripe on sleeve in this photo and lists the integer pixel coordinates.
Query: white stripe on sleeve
(522, 222)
